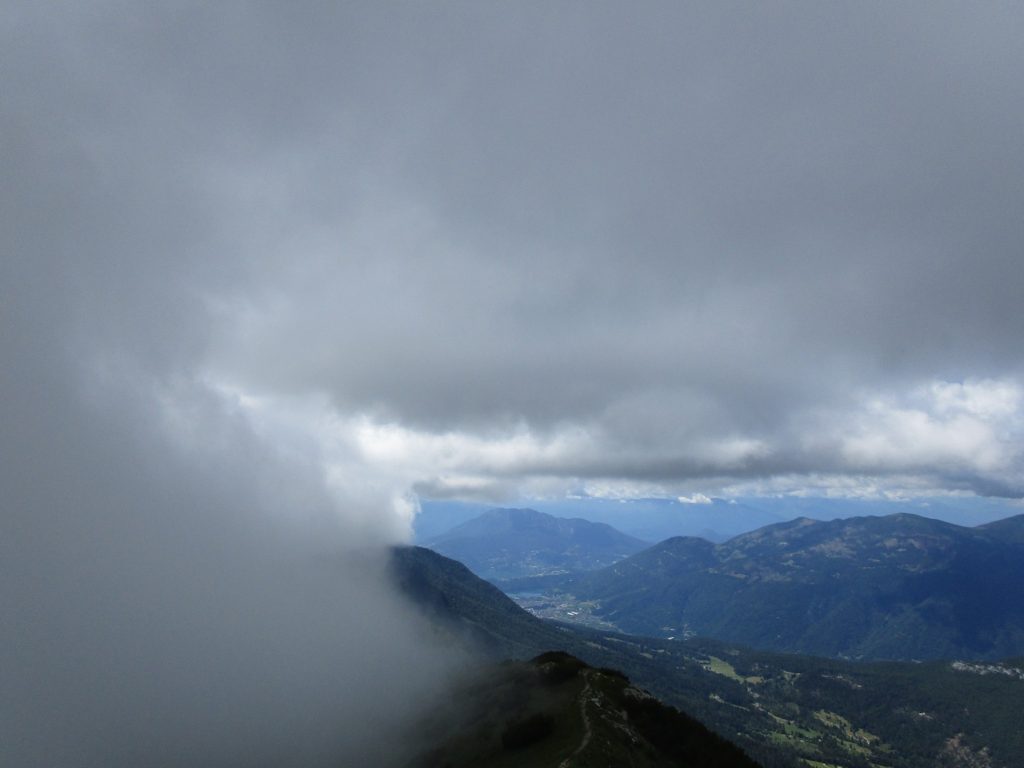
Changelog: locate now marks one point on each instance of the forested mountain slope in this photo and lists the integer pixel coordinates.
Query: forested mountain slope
(895, 587)
(781, 709)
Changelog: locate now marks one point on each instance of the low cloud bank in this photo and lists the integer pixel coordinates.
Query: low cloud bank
(177, 592)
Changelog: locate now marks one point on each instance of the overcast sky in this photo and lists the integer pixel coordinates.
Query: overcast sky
(496, 251)
(309, 263)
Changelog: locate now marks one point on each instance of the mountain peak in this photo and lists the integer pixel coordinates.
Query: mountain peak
(556, 710)
(507, 543)
(516, 513)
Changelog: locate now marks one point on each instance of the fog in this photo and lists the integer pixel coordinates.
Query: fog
(178, 585)
(176, 590)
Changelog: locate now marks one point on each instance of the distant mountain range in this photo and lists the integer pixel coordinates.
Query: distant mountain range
(715, 519)
(894, 587)
(645, 519)
(510, 543)
(785, 711)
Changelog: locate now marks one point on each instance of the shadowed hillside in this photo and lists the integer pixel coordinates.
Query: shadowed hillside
(781, 709)
(556, 711)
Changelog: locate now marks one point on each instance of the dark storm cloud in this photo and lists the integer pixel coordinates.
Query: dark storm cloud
(515, 247)
(551, 215)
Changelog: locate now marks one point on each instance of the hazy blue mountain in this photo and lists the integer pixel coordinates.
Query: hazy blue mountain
(507, 543)
(783, 710)
(437, 517)
(645, 519)
(895, 587)
(966, 511)
(658, 519)
(715, 519)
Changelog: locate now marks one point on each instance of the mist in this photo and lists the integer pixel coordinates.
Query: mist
(175, 591)
(180, 584)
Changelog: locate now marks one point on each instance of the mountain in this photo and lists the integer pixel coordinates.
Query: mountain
(785, 711)
(716, 519)
(555, 709)
(894, 587)
(508, 543)
(550, 709)
(471, 610)
(647, 519)
(1010, 529)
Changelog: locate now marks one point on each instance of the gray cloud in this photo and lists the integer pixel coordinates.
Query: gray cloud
(175, 589)
(706, 219)
(575, 208)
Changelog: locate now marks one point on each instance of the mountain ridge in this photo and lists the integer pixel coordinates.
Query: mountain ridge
(515, 542)
(900, 586)
(783, 710)
(555, 710)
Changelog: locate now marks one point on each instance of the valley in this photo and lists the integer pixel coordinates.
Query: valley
(784, 710)
(900, 587)
(563, 608)
(857, 643)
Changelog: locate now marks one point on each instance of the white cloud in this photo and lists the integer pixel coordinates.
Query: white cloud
(944, 426)
(610, 488)
(889, 446)
(697, 498)
(890, 487)
(987, 399)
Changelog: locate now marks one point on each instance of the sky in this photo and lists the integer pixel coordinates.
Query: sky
(494, 253)
(273, 274)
